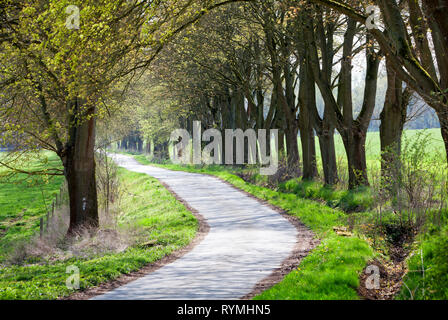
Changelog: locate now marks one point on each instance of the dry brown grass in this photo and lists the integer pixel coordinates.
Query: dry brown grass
(55, 246)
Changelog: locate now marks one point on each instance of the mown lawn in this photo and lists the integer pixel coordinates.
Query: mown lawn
(147, 206)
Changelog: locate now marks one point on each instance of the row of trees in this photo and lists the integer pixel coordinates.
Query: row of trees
(260, 64)
(266, 64)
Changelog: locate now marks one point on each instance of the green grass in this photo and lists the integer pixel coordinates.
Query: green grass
(331, 271)
(23, 201)
(147, 206)
(373, 150)
(357, 200)
(428, 265)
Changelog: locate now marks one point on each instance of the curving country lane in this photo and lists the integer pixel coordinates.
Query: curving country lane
(246, 242)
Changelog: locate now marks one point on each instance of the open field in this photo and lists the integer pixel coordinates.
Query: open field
(24, 200)
(373, 151)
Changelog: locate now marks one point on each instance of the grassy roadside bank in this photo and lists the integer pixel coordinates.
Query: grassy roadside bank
(427, 278)
(146, 207)
(331, 271)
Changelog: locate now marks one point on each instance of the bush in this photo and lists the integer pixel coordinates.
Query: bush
(437, 257)
(415, 184)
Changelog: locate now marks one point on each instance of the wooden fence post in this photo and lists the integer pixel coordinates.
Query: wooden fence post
(48, 221)
(41, 227)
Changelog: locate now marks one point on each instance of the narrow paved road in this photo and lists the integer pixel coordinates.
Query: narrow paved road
(246, 242)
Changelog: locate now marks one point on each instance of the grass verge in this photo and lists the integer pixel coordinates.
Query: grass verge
(331, 271)
(146, 206)
(427, 278)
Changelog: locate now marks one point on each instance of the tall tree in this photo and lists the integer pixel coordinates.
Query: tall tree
(408, 49)
(283, 69)
(393, 118)
(353, 130)
(324, 126)
(55, 76)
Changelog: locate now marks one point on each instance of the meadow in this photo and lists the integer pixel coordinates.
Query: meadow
(24, 200)
(373, 149)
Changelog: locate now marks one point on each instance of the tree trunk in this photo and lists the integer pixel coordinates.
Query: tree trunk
(281, 143)
(79, 169)
(443, 119)
(308, 153)
(393, 118)
(292, 148)
(355, 147)
(227, 118)
(328, 155)
(307, 98)
(290, 125)
(161, 151)
(124, 144)
(437, 11)
(285, 100)
(308, 148)
(354, 132)
(139, 144)
(132, 145)
(277, 123)
(148, 146)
